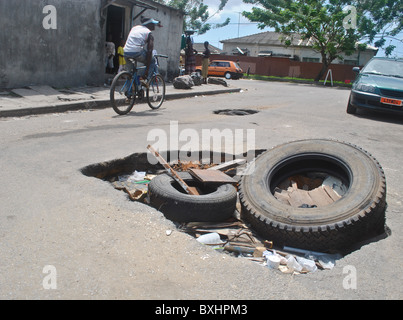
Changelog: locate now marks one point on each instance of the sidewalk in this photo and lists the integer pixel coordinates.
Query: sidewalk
(45, 99)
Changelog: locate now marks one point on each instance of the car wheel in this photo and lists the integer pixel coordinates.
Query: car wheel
(350, 108)
(227, 75)
(216, 204)
(357, 216)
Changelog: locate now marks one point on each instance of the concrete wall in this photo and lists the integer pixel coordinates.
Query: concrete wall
(167, 38)
(70, 55)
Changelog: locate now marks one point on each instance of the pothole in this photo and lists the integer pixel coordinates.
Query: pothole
(235, 112)
(231, 235)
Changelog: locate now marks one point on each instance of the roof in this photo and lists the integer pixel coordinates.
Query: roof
(199, 47)
(268, 38)
(275, 39)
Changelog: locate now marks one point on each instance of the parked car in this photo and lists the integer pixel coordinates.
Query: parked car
(378, 87)
(223, 68)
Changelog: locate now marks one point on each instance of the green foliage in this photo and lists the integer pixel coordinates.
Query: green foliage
(325, 23)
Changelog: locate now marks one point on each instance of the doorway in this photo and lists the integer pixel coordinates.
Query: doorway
(115, 29)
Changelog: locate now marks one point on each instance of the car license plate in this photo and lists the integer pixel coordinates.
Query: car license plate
(393, 102)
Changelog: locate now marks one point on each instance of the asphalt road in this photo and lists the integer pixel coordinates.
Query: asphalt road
(64, 235)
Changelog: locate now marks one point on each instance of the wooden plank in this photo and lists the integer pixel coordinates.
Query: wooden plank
(211, 176)
(320, 197)
(282, 196)
(304, 197)
(299, 197)
(228, 164)
(331, 193)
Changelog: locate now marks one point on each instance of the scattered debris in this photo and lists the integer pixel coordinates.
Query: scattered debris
(183, 82)
(172, 173)
(309, 192)
(197, 78)
(211, 176)
(233, 236)
(212, 238)
(217, 81)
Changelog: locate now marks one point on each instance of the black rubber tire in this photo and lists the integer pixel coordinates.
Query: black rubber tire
(350, 108)
(218, 205)
(357, 216)
(156, 92)
(116, 99)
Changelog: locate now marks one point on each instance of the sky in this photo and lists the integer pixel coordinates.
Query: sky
(240, 26)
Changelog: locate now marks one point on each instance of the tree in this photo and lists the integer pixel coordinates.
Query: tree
(196, 14)
(332, 27)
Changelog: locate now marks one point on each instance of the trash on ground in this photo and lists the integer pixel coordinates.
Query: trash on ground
(217, 81)
(183, 82)
(212, 238)
(233, 236)
(309, 192)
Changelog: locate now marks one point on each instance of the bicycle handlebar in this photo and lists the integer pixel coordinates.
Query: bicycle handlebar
(160, 56)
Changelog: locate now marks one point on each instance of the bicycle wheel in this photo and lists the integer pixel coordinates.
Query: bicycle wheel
(122, 93)
(156, 92)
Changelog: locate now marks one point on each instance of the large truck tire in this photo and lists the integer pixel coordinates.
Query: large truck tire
(357, 216)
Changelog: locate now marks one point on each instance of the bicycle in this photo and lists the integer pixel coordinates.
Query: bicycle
(126, 87)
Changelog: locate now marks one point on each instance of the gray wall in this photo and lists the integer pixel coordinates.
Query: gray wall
(167, 38)
(71, 55)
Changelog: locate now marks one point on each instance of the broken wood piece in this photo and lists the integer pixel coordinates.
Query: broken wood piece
(172, 173)
(215, 225)
(299, 197)
(259, 251)
(228, 165)
(320, 197)
(331, 193)
(211, 176)
(136, 195)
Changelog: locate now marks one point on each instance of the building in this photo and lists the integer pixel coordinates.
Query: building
(199, 47)
(271, 44)
(61, 42)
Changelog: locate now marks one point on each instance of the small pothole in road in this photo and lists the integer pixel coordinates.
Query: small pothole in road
(235, 112)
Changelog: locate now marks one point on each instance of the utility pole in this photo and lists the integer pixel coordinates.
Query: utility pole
(239, 22)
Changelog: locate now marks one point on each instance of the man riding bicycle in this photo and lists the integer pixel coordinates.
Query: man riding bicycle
(140, 45)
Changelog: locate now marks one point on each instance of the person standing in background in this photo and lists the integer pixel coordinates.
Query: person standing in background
(109, 55)
(190, 58)
(122, 61)
(205, 62)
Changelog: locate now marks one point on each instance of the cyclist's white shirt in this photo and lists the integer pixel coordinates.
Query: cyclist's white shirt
(137, 39)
